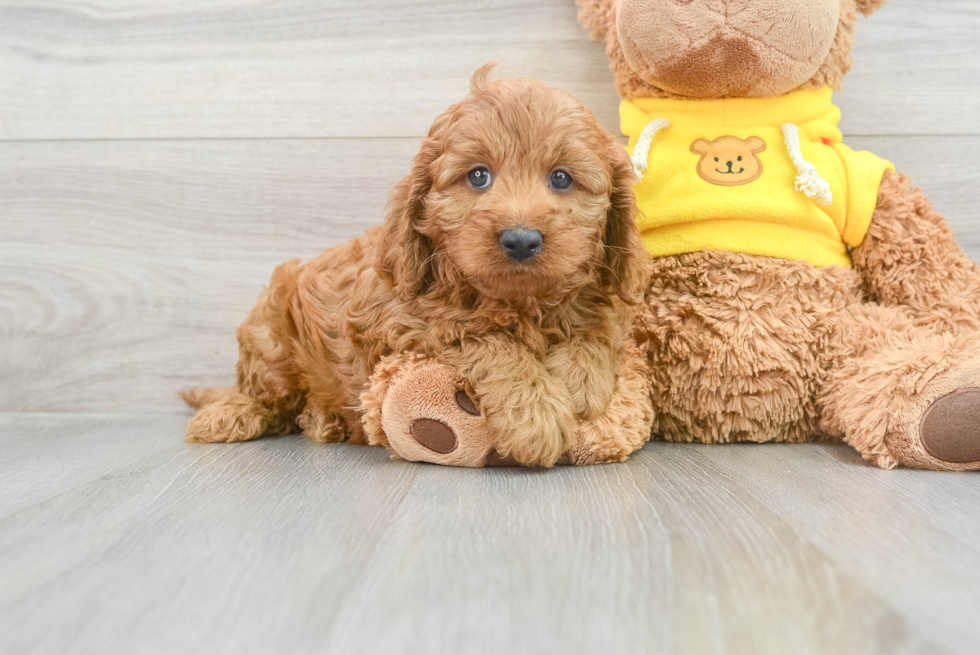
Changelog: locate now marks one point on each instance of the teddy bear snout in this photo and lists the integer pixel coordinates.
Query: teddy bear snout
(717, 48)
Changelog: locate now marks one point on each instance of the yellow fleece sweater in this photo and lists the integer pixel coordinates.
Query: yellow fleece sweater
(762, 176)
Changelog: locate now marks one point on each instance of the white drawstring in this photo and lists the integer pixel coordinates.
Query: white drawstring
(808, 181)
(641, 153)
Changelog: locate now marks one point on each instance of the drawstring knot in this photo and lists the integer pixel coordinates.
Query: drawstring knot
(808, 180)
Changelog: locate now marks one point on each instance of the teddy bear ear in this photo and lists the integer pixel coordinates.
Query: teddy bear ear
(756, 144)
(597, 16)
(868, 7)
(701, 146)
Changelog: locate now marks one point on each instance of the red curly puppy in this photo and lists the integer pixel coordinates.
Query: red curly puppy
(509, 253)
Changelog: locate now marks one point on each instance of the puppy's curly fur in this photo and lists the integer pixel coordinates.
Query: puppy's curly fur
(538, 340)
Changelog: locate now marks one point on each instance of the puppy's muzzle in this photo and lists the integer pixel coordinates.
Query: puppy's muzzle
(521, 243)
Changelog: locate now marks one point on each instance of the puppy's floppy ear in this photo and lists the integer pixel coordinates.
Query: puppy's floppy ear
(868, 7)
(404, 254)
(626, 259)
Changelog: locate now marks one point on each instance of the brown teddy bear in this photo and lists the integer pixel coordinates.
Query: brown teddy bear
(799, 288)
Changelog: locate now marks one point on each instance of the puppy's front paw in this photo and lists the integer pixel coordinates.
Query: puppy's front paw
(589, 374)
(592, 393)
(536, 427)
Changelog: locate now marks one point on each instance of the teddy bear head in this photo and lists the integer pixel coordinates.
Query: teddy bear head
(725, 48)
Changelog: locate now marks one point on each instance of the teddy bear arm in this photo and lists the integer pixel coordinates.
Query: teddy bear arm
(420, 409)
(597, 16)
(910, 257)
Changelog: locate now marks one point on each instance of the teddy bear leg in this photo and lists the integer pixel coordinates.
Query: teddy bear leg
(904, 394)
(626, 424)
(910, 258)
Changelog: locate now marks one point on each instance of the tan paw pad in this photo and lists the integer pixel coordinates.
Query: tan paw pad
(434, 435)
(950, 427)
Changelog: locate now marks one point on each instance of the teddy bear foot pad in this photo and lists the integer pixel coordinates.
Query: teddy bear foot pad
(950, 427)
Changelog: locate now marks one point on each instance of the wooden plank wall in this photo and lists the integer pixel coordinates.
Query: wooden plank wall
(158, 159)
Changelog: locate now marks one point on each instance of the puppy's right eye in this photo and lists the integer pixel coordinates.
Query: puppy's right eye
(561, 180)
(479, 178)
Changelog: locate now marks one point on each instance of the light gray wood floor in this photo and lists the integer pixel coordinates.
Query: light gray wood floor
(157, 159)
(115, 537)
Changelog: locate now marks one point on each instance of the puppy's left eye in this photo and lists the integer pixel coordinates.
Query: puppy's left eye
(561, 180)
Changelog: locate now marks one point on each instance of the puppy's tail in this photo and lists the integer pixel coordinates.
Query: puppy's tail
(198, 398)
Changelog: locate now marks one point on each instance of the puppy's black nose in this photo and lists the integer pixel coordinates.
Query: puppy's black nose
(521, 243)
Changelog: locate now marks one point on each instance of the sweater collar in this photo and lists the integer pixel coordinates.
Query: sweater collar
(798, 107)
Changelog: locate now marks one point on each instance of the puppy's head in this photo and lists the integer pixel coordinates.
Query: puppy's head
(517, 193)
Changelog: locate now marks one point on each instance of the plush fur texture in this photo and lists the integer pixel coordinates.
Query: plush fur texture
(748, 348)
(538, 343)
(736, 344)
